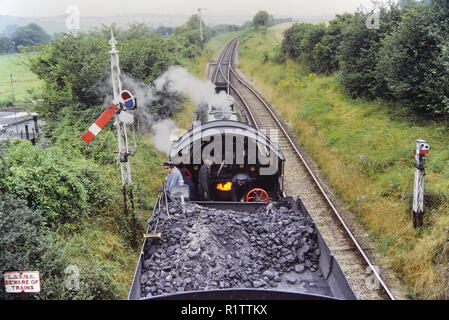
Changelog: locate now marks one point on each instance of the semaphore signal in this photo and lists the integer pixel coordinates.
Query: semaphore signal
(128, 100)
(100, 123)
(123, 102)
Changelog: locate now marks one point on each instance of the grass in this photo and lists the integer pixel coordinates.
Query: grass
(365, 151)
(99, 246)
(24, 81)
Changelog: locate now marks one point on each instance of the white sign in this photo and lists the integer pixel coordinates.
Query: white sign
(126, 118)
(22, 281)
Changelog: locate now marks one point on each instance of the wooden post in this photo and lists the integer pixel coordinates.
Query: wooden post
(27, 134)
(422, 148)
(33, 139)
(36, 127)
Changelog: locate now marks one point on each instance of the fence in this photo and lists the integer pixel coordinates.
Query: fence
(22, 127)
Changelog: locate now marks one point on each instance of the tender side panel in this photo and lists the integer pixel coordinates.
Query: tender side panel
(330, 268)
(241, 294)
(135, 291)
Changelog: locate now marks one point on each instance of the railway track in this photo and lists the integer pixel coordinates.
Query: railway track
(299, 180)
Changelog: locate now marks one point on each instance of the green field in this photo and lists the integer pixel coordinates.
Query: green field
(24, 81)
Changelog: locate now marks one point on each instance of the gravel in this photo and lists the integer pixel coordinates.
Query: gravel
(208, 249)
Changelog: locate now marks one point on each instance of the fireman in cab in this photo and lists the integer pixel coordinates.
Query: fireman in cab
(241, 183)
(174, 176)
(204, 180)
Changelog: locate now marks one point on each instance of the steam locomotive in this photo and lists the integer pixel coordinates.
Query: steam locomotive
(221, 133)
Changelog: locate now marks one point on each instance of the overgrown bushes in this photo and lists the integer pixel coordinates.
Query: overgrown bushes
(29, 35)
(57, 182)
(29, 245)
(404, 59)
(23, 240)
(413, 60)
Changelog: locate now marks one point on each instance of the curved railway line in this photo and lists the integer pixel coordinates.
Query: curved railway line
(300, 180)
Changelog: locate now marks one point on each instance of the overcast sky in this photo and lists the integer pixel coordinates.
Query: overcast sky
(48, 8)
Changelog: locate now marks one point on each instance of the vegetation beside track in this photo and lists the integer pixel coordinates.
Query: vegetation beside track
(365, 151)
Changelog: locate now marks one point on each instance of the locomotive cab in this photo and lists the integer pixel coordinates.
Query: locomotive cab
(236, 147)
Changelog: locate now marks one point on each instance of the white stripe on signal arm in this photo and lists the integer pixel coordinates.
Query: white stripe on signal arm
(94, 129)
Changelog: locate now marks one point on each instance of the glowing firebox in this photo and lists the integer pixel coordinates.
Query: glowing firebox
(225, 186)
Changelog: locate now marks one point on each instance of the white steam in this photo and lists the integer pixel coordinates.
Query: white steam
(176, 80)
(163, 133)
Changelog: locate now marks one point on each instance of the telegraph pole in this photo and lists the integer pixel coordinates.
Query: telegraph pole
(12, 89)
(201, 25)
(422, 148)
(14, 103)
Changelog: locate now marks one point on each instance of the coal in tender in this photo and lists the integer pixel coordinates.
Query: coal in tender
(208, 249)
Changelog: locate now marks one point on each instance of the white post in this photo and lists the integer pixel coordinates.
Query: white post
(201, 24)
(123, 149)
(422, 148)
(122, 138)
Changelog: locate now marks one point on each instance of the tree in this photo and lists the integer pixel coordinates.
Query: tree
(291, 44)
(222, 28)
(414, 59)
(6, 45)
(30, 35)
(247, 24)
(75, 67)
(327, 49)
(310, 56)
(359, 52)
(164, 31)
(190, 31)
(261, 19)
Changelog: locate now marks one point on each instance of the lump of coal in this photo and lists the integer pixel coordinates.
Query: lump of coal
(300, 268)
(290, 279)
(270, 274)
